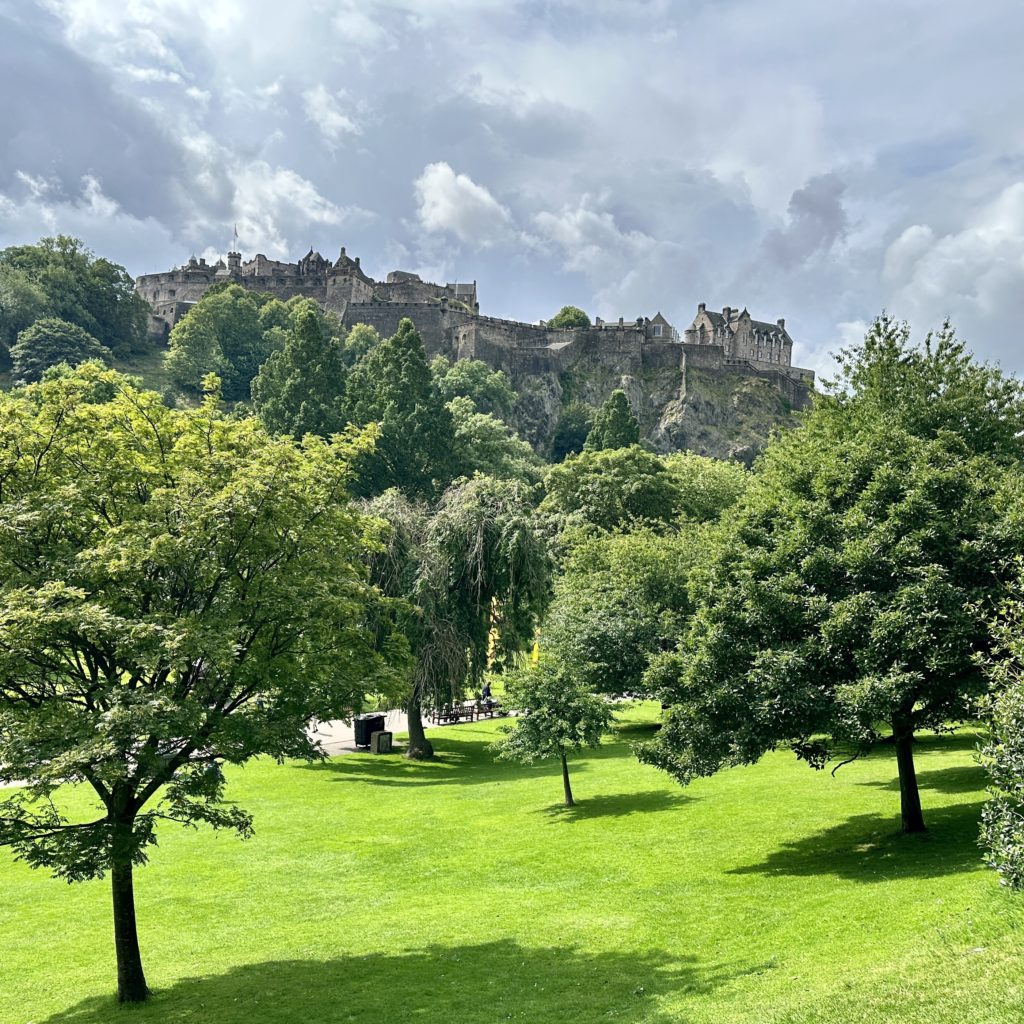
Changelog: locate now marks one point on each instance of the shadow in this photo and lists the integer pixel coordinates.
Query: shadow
(870, 848)
(962, 779)
(619, 805)
(470, 984)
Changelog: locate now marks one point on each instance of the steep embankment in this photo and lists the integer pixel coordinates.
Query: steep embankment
(727, 415)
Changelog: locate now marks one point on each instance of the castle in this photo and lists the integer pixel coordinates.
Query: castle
(449, 321)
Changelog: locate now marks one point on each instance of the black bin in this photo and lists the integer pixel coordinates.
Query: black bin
(365, 725)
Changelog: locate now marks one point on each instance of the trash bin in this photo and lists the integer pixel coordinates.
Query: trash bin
(365, 726)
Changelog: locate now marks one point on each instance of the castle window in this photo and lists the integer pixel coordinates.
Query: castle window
(171, 292)
(657, 331)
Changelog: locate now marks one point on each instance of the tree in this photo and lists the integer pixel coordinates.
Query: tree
(706, 487)
(484, 444)
(473, 574)
(557, 715)
(571, 430)
(615, 426)
(223, 334)
(22, 302)
(183, 591)
(77, 286)
(1003, 756)
(489, 389)
(854, 579)
(621, 599)
(51, 341)
(299, 389)
(391, 385)
(609, 489)
(569, 316)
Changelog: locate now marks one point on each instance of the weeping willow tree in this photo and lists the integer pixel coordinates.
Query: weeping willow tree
(471, 576)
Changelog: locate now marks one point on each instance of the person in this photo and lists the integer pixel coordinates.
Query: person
(485, 693)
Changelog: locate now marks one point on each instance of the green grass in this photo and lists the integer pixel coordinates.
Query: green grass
(460, 892)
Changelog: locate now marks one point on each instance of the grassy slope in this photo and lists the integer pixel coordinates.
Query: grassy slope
(460, 892)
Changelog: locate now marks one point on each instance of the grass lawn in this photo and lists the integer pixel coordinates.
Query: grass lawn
(459, 891)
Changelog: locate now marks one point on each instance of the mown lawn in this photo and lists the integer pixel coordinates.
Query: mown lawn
(460, 891)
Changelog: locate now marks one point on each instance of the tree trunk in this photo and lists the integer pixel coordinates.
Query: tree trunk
(420, 748)
(131, 981)
(569, 802)
(910, 797)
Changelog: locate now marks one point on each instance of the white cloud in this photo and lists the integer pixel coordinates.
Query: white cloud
(974, 275)
(326, 110)
(271, 203)
(455, 203)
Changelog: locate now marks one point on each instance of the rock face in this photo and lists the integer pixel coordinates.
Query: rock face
(716, 412)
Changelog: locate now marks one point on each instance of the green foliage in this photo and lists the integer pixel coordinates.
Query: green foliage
(182, 591)
(610, 489)
(300, 388)
(569, 316)
(851, 588)
(485, 444)
(615, 426)
(59, 277)
(470, 579)
(557, 715)
(391, 385)
(51, 341)
(574, 422)
(359, 340)
(621, 599)
(223, 334)
(1003, 755)
(489, 389)
(705, 487)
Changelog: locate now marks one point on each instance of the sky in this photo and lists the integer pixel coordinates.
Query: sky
(814, 161)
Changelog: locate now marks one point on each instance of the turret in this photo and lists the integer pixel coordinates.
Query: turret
(234, 262)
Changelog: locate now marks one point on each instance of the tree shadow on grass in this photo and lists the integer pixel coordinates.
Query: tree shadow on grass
(869, 848)
(618, 805)
(958, 779)
(468, 984)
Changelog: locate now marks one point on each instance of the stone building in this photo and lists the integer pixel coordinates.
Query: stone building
(448, 318)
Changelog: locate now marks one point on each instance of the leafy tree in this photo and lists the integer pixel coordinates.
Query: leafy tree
(223, 334)
(359, 340)
(299, 388)
(852, 586)
(615, 426)
(22, 302)
(706, 487)
(474, 576)
(611, 488)
(51, 341)
(569, 316)
(489, 389)
(557, 715)
(183, 591)
(484, 444)
(391, 385)
(574, 423)
(1003, 755)
(621, 599)
(77, 286)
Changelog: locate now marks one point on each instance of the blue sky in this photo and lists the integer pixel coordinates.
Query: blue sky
(815, 161)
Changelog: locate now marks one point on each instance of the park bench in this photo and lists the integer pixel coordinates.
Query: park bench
(454, 713)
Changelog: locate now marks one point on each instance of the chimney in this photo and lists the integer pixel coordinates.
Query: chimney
(357, 261)
(701, 306)
(342, 252)
(726, 311)
(781, 322)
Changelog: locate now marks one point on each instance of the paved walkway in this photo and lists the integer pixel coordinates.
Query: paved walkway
(339, 737)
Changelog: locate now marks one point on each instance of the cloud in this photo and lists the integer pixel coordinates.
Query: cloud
(450, 202)
(816, 220)
(974, 275)
(326, 111)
